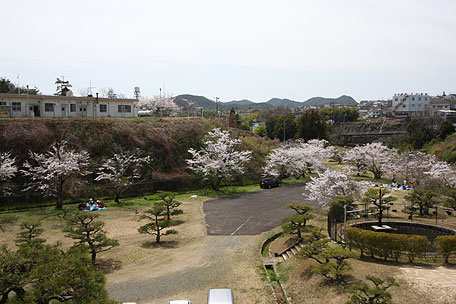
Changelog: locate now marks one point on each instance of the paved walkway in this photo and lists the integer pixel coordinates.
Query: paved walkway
(254, 212)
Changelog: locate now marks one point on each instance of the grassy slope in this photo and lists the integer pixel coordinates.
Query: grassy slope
(444, 150)
(166, 140)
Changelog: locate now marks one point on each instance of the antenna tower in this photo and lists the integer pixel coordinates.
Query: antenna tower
(90, 87)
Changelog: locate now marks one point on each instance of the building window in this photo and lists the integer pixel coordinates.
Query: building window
(419, 98)
(2, 103)
(72, 107)
(413, 98)
(83, 109)
(103, 108)
(395, 99)
(413, 104)
(49, 107)
(124, 109)
(16, 106)
(403, 106)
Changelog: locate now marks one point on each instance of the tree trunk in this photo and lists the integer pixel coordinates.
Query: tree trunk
(4, 297)
(94, 256)
(157, 239)
(60, 195)
(216, 186)
(20, 293)
(116, 200)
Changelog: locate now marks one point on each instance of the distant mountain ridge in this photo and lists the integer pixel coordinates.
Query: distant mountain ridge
(187, 100)
(342, 100)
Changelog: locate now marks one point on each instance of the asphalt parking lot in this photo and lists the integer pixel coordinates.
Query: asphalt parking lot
(254, 212)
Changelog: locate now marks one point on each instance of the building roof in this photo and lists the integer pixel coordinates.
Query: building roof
(439, 101)
(64, 98)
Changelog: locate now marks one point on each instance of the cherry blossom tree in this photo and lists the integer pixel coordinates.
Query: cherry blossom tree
(356, 161)
(411, 167)
(295, 159)
(7, 170)
(49, 172)
(330, 184)
(122, 170)
(286, 161)
(336, 153)
(320, 148)
(376, 157)
(161, 105)
(443, 172)
(446, 175)
(218, 159)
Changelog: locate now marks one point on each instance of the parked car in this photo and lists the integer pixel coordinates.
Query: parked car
(220, 296)
(269, 182)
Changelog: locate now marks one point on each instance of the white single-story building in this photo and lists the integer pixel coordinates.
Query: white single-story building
(24, 105)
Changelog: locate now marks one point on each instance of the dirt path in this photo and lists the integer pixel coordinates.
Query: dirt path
(436, 283)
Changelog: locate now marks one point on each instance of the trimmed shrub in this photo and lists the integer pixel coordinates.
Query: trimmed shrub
(446, 246)
(416, 246)
(387, 245)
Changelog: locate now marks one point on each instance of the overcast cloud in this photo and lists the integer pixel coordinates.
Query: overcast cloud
(233, 49)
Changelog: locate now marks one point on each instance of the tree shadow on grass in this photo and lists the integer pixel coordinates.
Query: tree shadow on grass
(429, 263)
(162, 244)
(108, 265)
(178, 222)
(307, 273)
(339, 287)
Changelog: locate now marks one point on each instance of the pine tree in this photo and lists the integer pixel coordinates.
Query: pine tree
(84, 228)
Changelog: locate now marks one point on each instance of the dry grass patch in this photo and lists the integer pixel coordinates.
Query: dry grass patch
(184, 266)
(418, 284)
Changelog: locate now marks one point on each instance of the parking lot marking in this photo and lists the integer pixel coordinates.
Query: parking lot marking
(240, 226)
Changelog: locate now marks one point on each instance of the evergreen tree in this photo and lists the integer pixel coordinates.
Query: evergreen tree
(425, 199)
(84, 228)
(40, 273)
(365, 294)
(296, 223)
(380, 198)
(170, 203)
(336, 208)
(446, 128)
(311, 125)
(158, 223)
(63, 87)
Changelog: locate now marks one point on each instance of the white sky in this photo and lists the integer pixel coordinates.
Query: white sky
(233, 49)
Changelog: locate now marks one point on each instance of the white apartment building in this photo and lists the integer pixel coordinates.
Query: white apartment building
(24, 105)
(411, 104)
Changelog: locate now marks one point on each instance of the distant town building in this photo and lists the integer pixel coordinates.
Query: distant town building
(14, 105)
(374, 108)
(411, 104)
(439, 106)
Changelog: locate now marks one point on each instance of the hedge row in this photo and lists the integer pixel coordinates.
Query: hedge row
(446, 245)
(386, 245)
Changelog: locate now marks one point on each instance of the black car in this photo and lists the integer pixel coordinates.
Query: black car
(269, 182)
